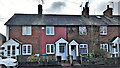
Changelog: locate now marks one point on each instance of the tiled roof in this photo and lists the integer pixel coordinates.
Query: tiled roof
(46, 19)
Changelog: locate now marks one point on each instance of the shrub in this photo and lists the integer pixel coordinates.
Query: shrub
(33, 58)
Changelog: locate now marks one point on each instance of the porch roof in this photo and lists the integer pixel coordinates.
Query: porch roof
(61, 41)
(73, 42)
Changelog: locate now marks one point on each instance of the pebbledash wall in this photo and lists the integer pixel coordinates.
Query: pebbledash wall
(38, 39)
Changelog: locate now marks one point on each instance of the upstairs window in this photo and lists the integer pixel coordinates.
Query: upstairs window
(49, 30)
(104, 47)
(26, 30)
(27, 49)
(50, 49)
(103, 30)
(82, 30)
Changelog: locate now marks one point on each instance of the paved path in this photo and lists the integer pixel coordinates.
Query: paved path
(74, 67)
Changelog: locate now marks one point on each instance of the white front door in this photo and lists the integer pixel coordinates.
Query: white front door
(10, 50)
(73, 51)
(62, 50)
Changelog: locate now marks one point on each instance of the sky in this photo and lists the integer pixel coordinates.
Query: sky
(70, 7)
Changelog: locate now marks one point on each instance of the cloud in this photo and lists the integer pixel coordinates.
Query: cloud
(56, 7)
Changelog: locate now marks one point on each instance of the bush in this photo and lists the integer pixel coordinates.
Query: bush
(33, 58)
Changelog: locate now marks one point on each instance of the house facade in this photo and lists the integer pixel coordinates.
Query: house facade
(2, 39)
(60, 35)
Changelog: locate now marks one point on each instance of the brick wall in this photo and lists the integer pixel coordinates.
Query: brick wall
(93, 37)
(34, 39)
(38, 39)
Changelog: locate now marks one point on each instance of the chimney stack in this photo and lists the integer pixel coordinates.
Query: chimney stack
(107, 6)
(40, 9)
(108, 12)
(85, 11)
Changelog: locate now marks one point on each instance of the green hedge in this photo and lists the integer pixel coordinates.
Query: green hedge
(33, 58)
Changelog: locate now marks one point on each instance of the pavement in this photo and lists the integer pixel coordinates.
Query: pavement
(73, 67)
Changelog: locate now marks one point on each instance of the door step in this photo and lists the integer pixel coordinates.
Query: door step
(65, 64)
(75, 63)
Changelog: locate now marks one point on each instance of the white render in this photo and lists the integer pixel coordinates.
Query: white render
(73, 53)
(113, 50)
(11, 42)
(7, 33)
(65, 54)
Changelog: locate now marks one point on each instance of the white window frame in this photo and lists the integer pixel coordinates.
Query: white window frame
(26, 49)
(50, 31)
(84, 46)
(26, 30)
(50, 49)
(103, 30)
(11, 50)
(102, 46)
(82, 30)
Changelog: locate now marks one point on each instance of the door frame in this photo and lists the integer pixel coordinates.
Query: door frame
(74, 43)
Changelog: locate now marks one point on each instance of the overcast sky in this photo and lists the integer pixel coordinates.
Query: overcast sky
(9, 7)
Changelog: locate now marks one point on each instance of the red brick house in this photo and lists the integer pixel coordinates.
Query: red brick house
(59, 35)
(2, 39)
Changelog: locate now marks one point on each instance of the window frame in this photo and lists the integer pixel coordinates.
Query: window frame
(84, 46)
(50, 45)
(82, 29)
(11, 50)
(26, 29)
(102, 32)
(102, 46)
(26, 45)
(50, 30)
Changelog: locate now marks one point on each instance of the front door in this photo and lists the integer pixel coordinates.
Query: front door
(73, 51)
(10, 50)
(62, 50)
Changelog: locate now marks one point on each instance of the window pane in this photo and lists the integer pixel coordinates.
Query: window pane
(52, 48)
(13, 50)
(48, 30)
(28, 30)
(119, 47)
(61, 48)
(81, 46)
(24, 49)
(52, 29)
(85, 46)
(116, 48)
(83, 50)
(8, 52)
(48, 49)
(29, 48)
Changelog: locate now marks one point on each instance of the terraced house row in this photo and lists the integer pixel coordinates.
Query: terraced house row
(63, 35)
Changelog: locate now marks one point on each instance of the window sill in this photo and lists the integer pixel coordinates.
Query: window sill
(26, 35)
(50, 53)
(49, 34)
(26, 54)
(103, 34)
